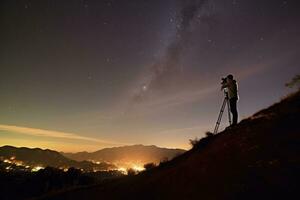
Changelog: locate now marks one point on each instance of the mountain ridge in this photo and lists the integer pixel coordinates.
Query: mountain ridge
(47, 157)
(130, 153)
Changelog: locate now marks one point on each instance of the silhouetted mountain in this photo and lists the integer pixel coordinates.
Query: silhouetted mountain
(48, 157)
(257, 159)
(126, 154)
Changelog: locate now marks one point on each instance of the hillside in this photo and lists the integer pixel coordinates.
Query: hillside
(47, 157)
(128, 154)
(258, 159)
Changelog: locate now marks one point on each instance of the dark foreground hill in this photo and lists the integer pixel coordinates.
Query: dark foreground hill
(257, 159)
(40, 157)
(134, 153)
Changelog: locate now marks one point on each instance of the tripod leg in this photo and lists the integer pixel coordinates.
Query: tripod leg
(220, 116)
(228, 107)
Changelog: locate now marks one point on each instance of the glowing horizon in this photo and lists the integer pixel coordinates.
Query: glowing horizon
(65, 145)
(43, 135)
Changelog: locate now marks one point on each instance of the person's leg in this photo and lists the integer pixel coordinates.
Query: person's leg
(233, 110)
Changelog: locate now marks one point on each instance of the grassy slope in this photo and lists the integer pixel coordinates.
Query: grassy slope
(258, 159)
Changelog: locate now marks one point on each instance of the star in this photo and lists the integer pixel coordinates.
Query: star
(145, 88)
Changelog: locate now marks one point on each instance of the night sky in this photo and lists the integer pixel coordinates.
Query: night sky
(88, 74)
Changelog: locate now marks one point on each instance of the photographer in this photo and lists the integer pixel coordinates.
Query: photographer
(232, 88)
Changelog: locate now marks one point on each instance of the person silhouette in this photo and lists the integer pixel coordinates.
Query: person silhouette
(232, 90)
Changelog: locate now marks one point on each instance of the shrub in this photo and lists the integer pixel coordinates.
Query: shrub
(194, 142)
(149, 166)
(131, 172)
(209, 134)
(199, 143)
(294, 82)
(163, 161)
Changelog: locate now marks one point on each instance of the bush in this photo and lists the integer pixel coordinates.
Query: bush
(209, 134)
(199, 143)
(194, 142)
(149, 166)
(131, 172)
(295, 82)
(163, 161)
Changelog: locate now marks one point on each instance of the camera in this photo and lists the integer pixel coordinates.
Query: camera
(224, 80)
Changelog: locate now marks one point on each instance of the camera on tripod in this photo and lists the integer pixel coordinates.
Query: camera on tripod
(225, 102)
(224, 87)
(224, 81)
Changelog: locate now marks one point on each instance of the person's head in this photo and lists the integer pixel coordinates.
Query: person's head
(230, 77)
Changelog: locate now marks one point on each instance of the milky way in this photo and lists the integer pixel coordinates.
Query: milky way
(166, 70)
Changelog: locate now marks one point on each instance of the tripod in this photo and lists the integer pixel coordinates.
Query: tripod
(226, 101)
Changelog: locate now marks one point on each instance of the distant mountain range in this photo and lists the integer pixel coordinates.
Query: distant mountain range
(126, 155)
(36, 156)
(105, 159)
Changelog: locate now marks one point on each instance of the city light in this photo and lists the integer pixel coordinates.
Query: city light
(138, 168)
(36, 168)
(123, 170)
(7, 161)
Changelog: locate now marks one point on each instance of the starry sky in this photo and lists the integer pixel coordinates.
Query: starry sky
(87, 74)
